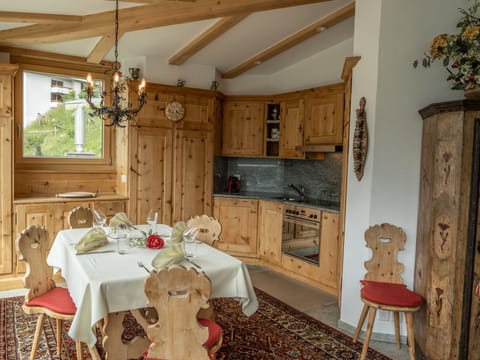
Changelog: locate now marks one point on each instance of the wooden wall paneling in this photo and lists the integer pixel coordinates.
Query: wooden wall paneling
(34, 183)
(6, 167)
(151, 174)
(193, 174)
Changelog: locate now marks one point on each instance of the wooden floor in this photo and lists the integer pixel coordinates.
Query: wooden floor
(314, 302)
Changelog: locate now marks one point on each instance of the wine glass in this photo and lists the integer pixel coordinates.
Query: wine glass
(152, 218)
(190, 242)
(99, 218)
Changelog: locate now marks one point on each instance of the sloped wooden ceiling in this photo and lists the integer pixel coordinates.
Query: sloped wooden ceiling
(50, 28)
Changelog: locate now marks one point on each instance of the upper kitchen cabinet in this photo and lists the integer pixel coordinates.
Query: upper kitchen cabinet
(7, 73)
(323, 123)
(242, 128)
(291, 129)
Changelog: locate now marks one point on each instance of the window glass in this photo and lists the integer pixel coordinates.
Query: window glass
(57, 120)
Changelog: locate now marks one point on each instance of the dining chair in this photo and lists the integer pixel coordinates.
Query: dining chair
(210, 228)
(383, 288)
(43, 297)
(177, 294)
(80, 217)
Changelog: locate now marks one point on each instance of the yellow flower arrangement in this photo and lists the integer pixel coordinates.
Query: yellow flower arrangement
(460, 52)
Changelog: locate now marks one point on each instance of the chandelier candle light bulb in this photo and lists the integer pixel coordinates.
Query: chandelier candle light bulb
(117, 113)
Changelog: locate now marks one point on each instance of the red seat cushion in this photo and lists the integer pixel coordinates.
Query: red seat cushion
(58, 300)
(214, 333)
(389, 294)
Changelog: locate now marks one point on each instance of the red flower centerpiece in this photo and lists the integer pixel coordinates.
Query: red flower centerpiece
(154, 241)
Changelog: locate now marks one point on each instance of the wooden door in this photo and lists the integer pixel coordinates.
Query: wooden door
(329, 249)
(34, 214)
(323, 119)
(151, 174)
(291, 129)
(239, 225)
(193, 174)
(242, 128)
(270, 219)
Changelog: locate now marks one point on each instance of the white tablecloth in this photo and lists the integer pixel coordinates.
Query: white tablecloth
(103, 283)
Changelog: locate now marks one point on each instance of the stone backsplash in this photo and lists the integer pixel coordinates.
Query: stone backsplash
(321, 178)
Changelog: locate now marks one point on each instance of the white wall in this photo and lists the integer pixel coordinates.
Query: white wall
(389, 34)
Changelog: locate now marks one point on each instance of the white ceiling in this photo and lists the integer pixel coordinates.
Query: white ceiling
(254, 34)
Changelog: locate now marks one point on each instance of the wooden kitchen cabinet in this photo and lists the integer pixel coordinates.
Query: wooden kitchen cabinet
(329, 236)
(193, 174)
(243, 128)
(151, 172)
(170, 163)
(7, 72)
(270, 220)
(324, 116)
(239, 225)
(291, 129)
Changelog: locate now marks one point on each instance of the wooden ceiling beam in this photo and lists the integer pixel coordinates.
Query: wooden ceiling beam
(140, 18)
(102, 48)
(36, 18)
(313, 29)
(219, 28)
(44, 55)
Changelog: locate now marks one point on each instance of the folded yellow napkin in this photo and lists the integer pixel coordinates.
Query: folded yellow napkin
(177, 232)
(170, 255)
(120, 218)
(93, 239)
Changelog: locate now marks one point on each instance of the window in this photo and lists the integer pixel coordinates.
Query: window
(55, 123)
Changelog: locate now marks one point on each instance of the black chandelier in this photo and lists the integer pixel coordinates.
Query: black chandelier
(116, 114)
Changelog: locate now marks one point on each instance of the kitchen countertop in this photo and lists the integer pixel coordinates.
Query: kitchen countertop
(283, 198)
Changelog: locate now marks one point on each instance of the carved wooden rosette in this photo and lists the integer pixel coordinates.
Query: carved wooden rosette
(360, 141)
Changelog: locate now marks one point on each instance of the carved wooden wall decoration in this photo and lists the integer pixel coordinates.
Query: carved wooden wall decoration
(360, 140)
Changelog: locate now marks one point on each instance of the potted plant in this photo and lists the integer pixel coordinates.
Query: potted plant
(459, 53)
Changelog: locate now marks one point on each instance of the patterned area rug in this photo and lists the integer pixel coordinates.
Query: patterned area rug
(275, 332)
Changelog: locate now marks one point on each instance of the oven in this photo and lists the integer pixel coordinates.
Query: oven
(301, 233)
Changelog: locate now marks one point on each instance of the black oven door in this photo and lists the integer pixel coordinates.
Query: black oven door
(301, 239)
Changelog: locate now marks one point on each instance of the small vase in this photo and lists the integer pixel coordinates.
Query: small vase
(473, 94)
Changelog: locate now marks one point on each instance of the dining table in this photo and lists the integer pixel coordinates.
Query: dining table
(105, 284)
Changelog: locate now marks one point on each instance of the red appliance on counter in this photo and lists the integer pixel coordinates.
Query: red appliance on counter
(233, 184)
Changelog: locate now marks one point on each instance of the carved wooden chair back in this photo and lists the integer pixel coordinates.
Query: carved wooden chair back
(177, 294)
(43, 297)
(210, 228)
(32, 247)
(383, 288)
(80, 217)
(385, 241)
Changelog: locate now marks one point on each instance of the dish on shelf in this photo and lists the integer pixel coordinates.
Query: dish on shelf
(76, 194)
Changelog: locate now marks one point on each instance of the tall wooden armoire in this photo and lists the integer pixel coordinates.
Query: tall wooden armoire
(448, 236)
